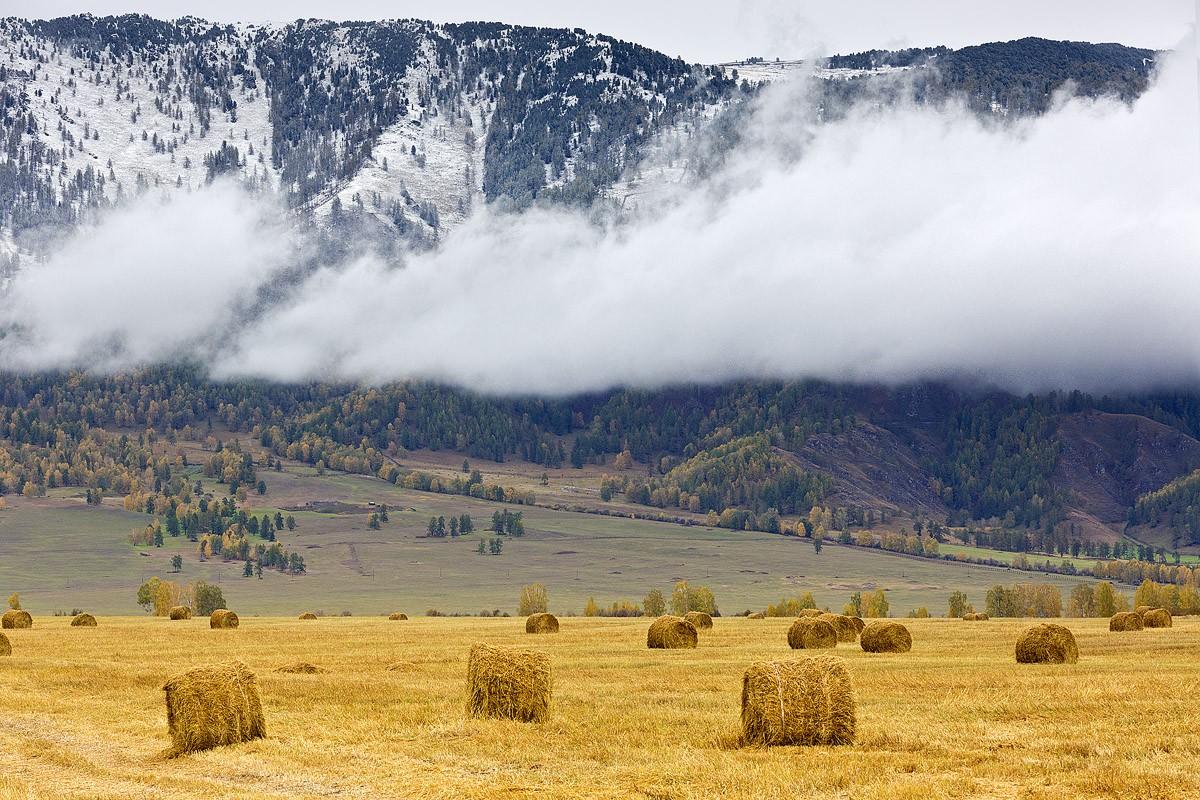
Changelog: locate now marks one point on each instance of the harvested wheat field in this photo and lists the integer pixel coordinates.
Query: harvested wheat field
(956, 717)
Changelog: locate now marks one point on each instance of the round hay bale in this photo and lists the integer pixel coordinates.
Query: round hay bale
(213, 706)
(811, 612)
(83, 621)
(808, 701)
(15, 619)
(671, 633)
(541, 623)
(858, 624)
(699, 620)
(398, 617)
(847, 631)
(1157, 618)
(180, 612)
(886, 636)
(507, 683)
(811, 633)
(301, 668)
(308, 615)
(1125, 621)
(1142, 609)
(756, 615)
(975, 616)
(1047, 643)
(223, 618)
(5, 646)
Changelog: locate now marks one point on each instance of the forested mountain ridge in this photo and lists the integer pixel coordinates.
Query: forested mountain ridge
(404, 126)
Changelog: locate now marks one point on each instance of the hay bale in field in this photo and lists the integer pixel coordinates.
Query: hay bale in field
(180, 612)
(811, 612)
(506, 683)
(671, 633)
(858, 624)
(886, 636)
(847, 631)
(301, 668)
(756, 615)
(16, 619)
(541, 623)
(1125, 621)
(811, 633)
(1047, 643)
(213, 706)
(397, 617)
(975, 616)
(700, 621)
(5, 646)
(83, 621)
(223, 618)
(1157, 618)
(1142, 609)
(308, 615)
(809, 701)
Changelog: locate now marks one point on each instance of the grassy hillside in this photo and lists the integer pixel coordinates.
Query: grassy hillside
(84, 714)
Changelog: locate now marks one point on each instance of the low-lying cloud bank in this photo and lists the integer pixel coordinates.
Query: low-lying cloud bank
(904, 243)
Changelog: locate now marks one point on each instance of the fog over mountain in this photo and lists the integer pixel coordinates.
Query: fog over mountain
(898, 241)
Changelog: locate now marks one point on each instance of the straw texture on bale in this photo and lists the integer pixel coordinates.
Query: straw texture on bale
(885, 636)
(223, 618)
(308, 615)
(5, 646)
(16, 619)
(975, 616)
(1125, 621)
(213, 706)
(700, 621)
(846, 630)
(757, 615)
(301, 668)
(809, 701)
(83, 621)
(810, 633)
(506, 683)
(398, 616)
(180, 612)
(811, 612)
(1157, 618)
(1142, 609)
(541, 623)
(1047, 643)
(858, 624)
(671, 633)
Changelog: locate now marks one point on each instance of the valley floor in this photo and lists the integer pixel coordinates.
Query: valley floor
(84, 715)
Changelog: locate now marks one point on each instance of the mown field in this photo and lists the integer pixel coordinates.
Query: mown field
(59, 553)
(83, 714)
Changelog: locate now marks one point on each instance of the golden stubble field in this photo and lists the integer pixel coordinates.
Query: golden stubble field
(82, 714)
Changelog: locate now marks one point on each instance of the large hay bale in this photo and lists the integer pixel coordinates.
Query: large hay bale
(847, 631)
(213, 706)
(700, 621)
(16, 618)
(5, 646)
(810, 633)
(975, 616)
(671, 633)
(1157, 618)
(1142, 609)
(808, 701)
(507, 683)
(858, 624)
(301, 668)
(541, 623)
(756, 615)
(308, 615)
(886, 636)
(398, 616)
(83, 621)
(811, 612)
(180, 612)
(1047, 643)
(1125, 621)
(223, 618)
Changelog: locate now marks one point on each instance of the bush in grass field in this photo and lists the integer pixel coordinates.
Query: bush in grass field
(534, 600)
(685, 598)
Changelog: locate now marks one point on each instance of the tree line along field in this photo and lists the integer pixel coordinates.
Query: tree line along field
(62, 554)
(954, 718)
